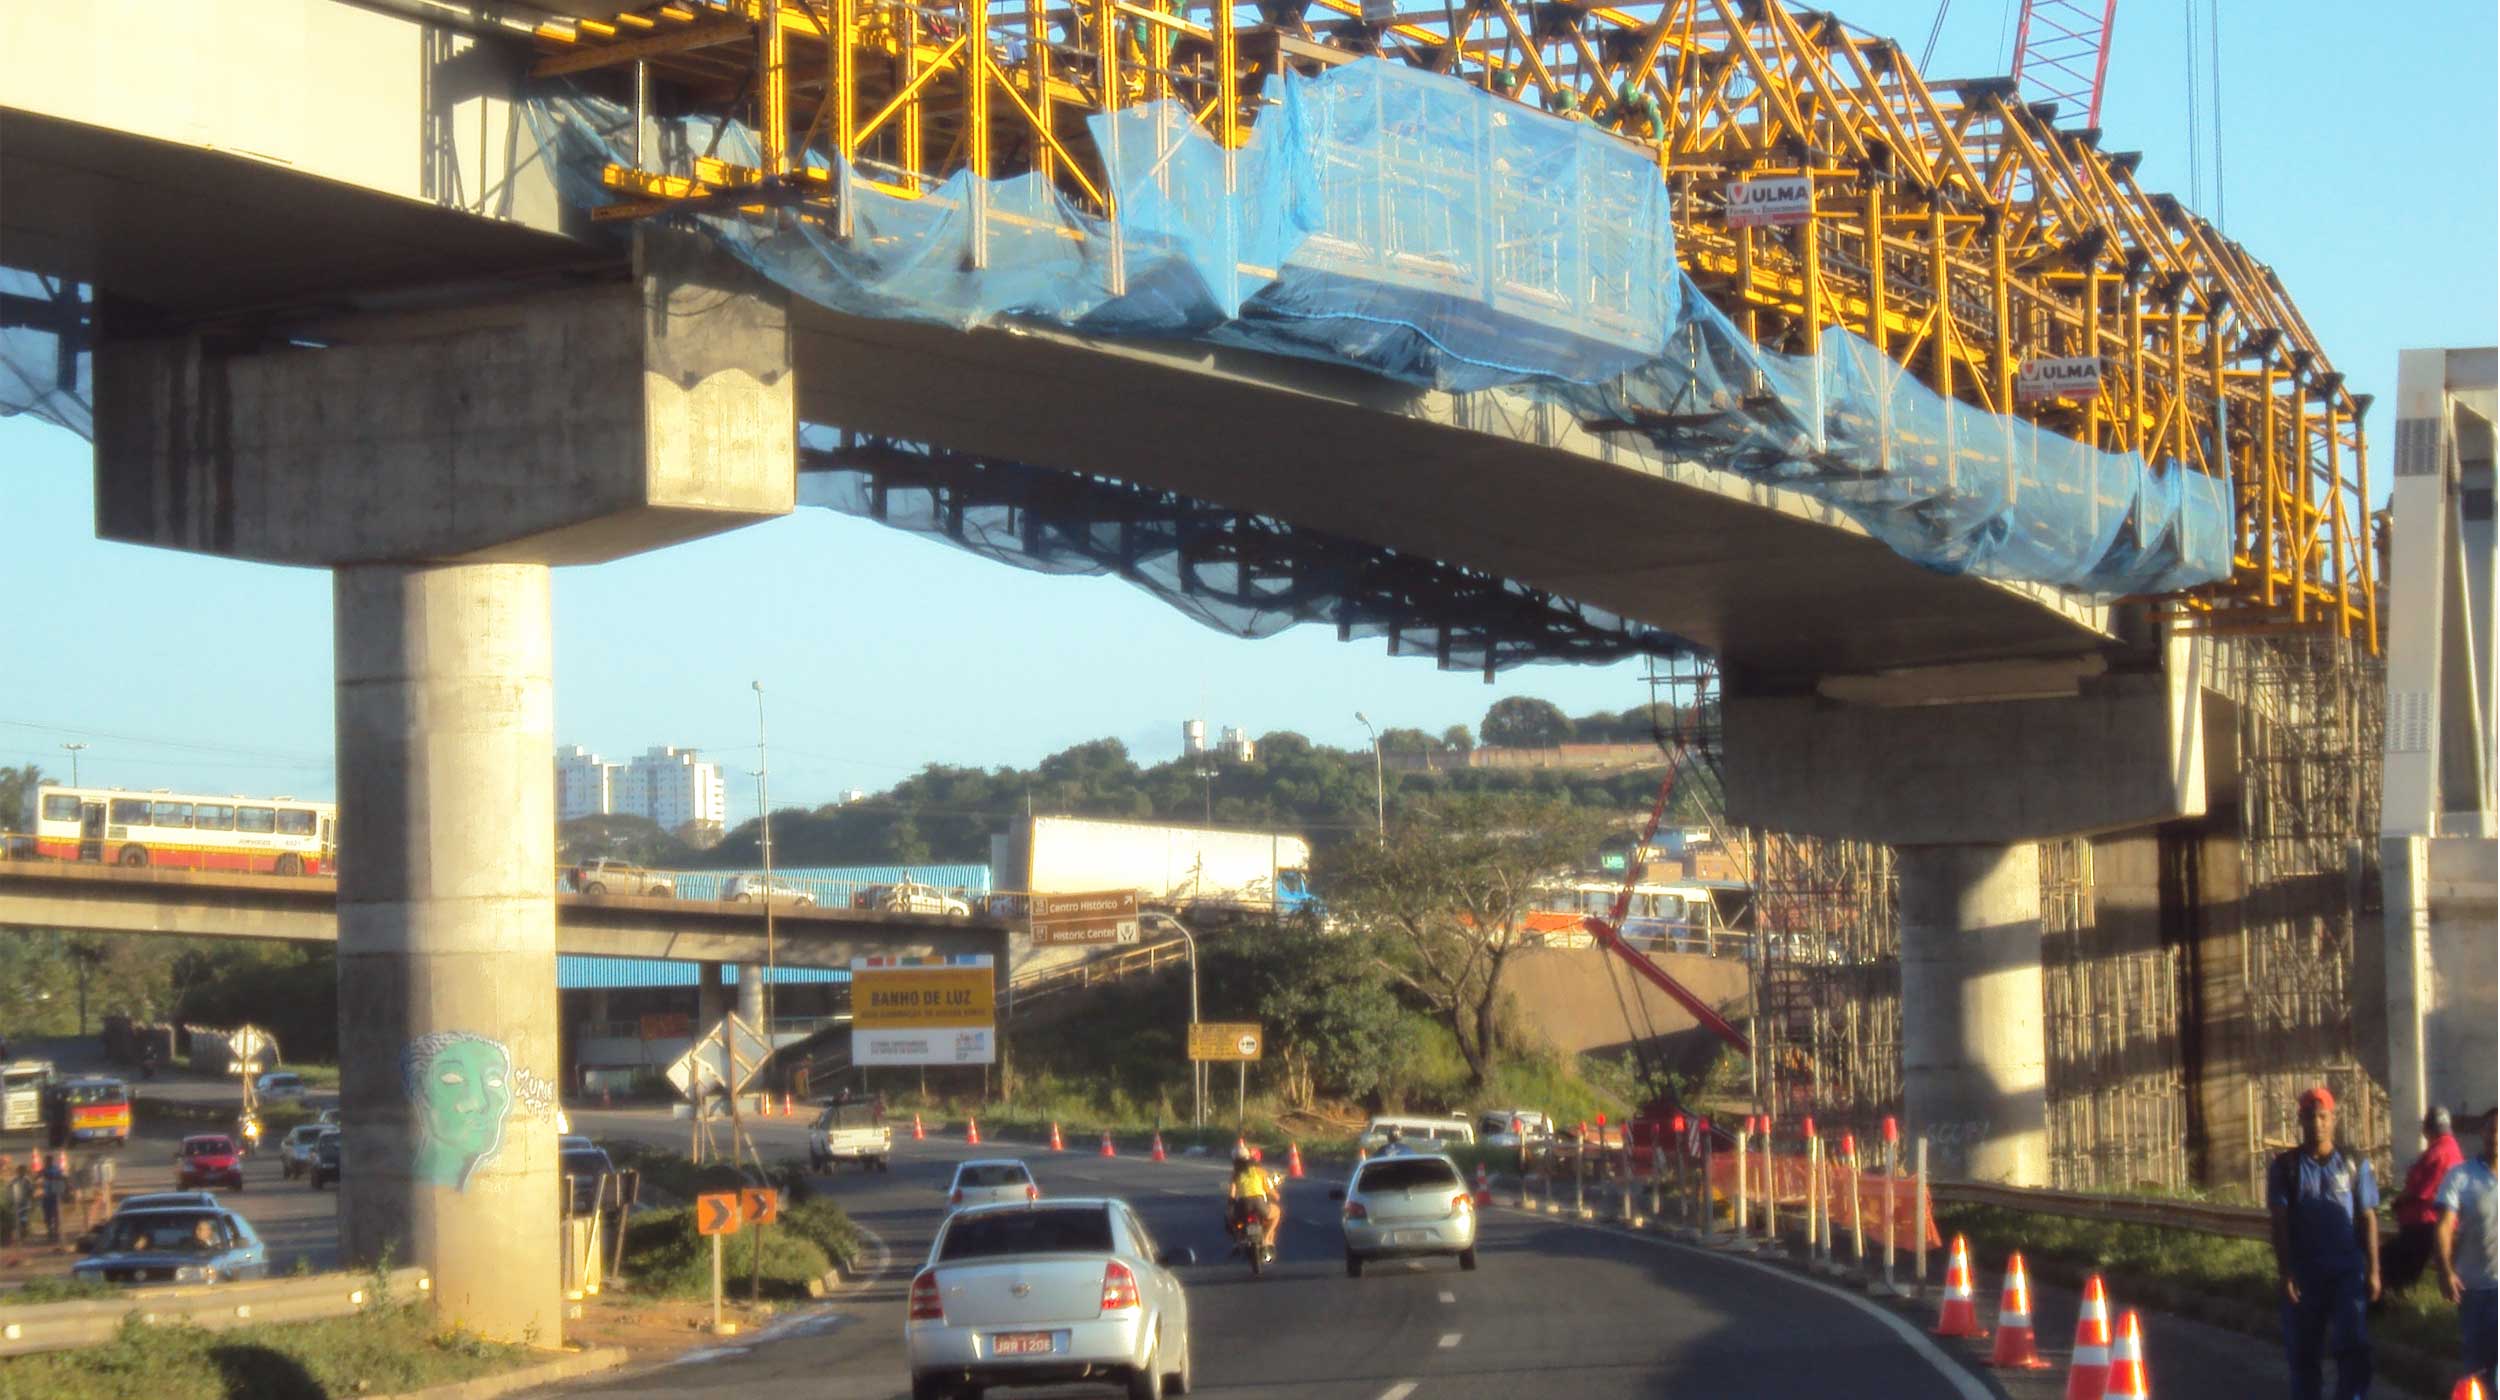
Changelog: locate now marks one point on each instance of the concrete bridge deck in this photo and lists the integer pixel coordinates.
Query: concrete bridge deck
(199, 904)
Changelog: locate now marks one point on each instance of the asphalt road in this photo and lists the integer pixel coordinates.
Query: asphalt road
(1554, 1309)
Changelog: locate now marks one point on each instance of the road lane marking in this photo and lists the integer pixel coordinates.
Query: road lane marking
(1399, 1391)
(1449, 1340)
(1448, 1297)
(1965, 1385)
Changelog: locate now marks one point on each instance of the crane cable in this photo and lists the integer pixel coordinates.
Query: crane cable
(1927, 55)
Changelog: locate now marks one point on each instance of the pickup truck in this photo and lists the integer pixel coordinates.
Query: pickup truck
(606, 875)
(850, 1132)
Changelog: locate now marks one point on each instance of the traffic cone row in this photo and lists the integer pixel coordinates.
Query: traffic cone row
(1055, 1144)
(1484, 1186)
(2016, 1348)
(1107, 1149)
(1293, 1160)
(1960, 1314)
(2089, 1375)
(972, 1132)
(1158, 1152)
(2127, 1378)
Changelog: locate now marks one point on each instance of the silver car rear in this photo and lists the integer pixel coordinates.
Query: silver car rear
(1059, 1292)
(992, 1181)
(1408, 1204)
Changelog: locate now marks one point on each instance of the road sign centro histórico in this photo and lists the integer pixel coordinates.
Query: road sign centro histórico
(924, 1011)
(1226, 1040)
(1079, 920)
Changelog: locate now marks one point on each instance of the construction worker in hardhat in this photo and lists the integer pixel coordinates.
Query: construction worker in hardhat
(2323, 1204)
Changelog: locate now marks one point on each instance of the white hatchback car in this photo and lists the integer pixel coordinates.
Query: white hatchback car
(278, 1086)
(747, 889)
(1069, 1292)
(1407, 1204)
(992, 1181)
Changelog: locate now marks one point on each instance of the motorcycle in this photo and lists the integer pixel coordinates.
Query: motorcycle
(1249, 1233)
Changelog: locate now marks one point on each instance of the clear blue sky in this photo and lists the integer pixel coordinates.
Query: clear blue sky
(2357, 157)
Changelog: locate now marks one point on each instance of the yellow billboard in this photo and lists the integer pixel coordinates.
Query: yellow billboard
(917, 998)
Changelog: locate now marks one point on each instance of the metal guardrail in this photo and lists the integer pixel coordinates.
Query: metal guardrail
(82, 1322)
(1128, 962)
(2234, 1222)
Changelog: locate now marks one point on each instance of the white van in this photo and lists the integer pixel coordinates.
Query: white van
(1419, 1134)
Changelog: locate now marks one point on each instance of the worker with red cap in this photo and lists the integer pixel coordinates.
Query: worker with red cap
(2324, 1205)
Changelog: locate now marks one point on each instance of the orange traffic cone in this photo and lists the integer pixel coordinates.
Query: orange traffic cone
(1960, 1316)
(1484, 1186)
(1107, 1149)
(1293, 1160)
(2090, 1372)
(1158, 1152)
(1362, 1154)
(2471, 1388)
(2127, 1380)
(918, 1133)
(972, 1132)
(1055, 1144)
(2016, 1348)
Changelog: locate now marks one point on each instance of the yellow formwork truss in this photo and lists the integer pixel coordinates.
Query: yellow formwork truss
(1957, 228)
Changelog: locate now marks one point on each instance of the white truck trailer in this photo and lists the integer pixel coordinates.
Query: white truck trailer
(1183, 868)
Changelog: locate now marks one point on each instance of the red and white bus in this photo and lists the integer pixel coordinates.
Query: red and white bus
(186, 831)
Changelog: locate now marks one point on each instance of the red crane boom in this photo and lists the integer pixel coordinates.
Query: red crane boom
(2061, 53)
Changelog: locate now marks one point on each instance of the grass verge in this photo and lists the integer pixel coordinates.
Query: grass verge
(665, 1257)
(380, 1351)
(55, 1290)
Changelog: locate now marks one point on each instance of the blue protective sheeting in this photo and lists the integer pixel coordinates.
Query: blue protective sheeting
(1425, 230)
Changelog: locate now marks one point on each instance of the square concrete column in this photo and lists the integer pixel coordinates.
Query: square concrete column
(1974, 1055)
(448, 1059)
(711, 996)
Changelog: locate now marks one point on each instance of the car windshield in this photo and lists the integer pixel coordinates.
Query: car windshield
(590, 1163)
(76, 1094)
(992, 1174)
(1053, 1230)
(307, 1134)
(1406, 1174)
(177, 1231)
(862, 1114)
(208, 1147)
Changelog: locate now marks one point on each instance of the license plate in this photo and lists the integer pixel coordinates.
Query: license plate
(1020, 1344)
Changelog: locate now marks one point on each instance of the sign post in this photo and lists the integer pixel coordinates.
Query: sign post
(716, 1213)
(1079, 920)
(1238, 1041)
(758, 1207)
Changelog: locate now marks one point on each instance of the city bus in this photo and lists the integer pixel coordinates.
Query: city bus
(1663, 918)
(185, 831)
(90, 1110)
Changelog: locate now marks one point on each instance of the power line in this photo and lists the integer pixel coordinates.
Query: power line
(194, 746)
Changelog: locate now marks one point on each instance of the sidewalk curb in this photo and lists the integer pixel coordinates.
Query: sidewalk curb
(563, 1368)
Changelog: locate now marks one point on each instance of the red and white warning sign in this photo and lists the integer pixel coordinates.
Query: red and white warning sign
(1770, 201)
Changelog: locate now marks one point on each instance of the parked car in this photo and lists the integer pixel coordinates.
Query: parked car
(209, 1159)
(327, 1160)
(747, 889)
(1406, 1205)
(853, 1131)
(1419, 1134)
(583, 1168)
(1068, 1292)
(991, 1181)
(910, 897)
(607, 875)
(279, 1086)
(189, 1244)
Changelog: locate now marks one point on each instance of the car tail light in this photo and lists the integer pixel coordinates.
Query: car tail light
(1032, 1193)
(1354, 1211)
(1119, 1287)
(957, 1196)
(1461, 1202)
(926, 1305)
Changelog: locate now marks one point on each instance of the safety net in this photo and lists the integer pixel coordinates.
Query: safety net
(44, 366)
(1420, 228)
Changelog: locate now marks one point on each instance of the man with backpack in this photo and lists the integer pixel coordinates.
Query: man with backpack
(2324, 1204)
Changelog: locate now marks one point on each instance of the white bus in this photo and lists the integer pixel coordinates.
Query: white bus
(1665, 918)
(185, 831)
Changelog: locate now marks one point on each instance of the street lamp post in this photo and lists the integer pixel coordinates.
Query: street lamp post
(1197, 1071)
(764, 804)
(74, 751)
(1380, 800)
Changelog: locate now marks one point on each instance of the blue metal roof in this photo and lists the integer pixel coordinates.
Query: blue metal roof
(577, 972)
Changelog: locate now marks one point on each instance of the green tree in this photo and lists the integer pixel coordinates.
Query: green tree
(17, 792)
(1525, 722)
(1407, 741)
(1448, 894)
(1457, 739)
(1331, 1015)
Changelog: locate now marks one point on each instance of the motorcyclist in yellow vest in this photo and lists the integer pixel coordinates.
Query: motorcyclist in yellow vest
(1253, 1189)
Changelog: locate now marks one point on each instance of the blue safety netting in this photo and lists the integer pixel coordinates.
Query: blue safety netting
(1420, 228)
(44, 366)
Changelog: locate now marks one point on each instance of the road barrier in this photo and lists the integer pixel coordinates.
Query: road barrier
(87, 1321)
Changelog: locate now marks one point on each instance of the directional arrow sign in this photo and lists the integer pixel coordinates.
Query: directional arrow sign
(717, 1213)
(759, 1205)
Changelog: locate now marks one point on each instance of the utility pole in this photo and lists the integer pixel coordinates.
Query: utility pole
(764, 804)
(74, 751)
(1380, 799)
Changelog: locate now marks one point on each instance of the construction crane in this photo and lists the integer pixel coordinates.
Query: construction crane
(2061, 53)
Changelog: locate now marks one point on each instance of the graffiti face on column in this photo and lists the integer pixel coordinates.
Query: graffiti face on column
(460, 1090)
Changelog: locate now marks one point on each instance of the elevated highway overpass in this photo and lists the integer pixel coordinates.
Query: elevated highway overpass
(207, 904)
(366, 301)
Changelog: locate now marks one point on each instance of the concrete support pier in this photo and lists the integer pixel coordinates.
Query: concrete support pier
(751, 997)
(711, 995)
(446, 750)
(1974, 1055)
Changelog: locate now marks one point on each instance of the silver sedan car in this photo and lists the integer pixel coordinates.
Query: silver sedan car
(1407, 1205)
(1056, 1292)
